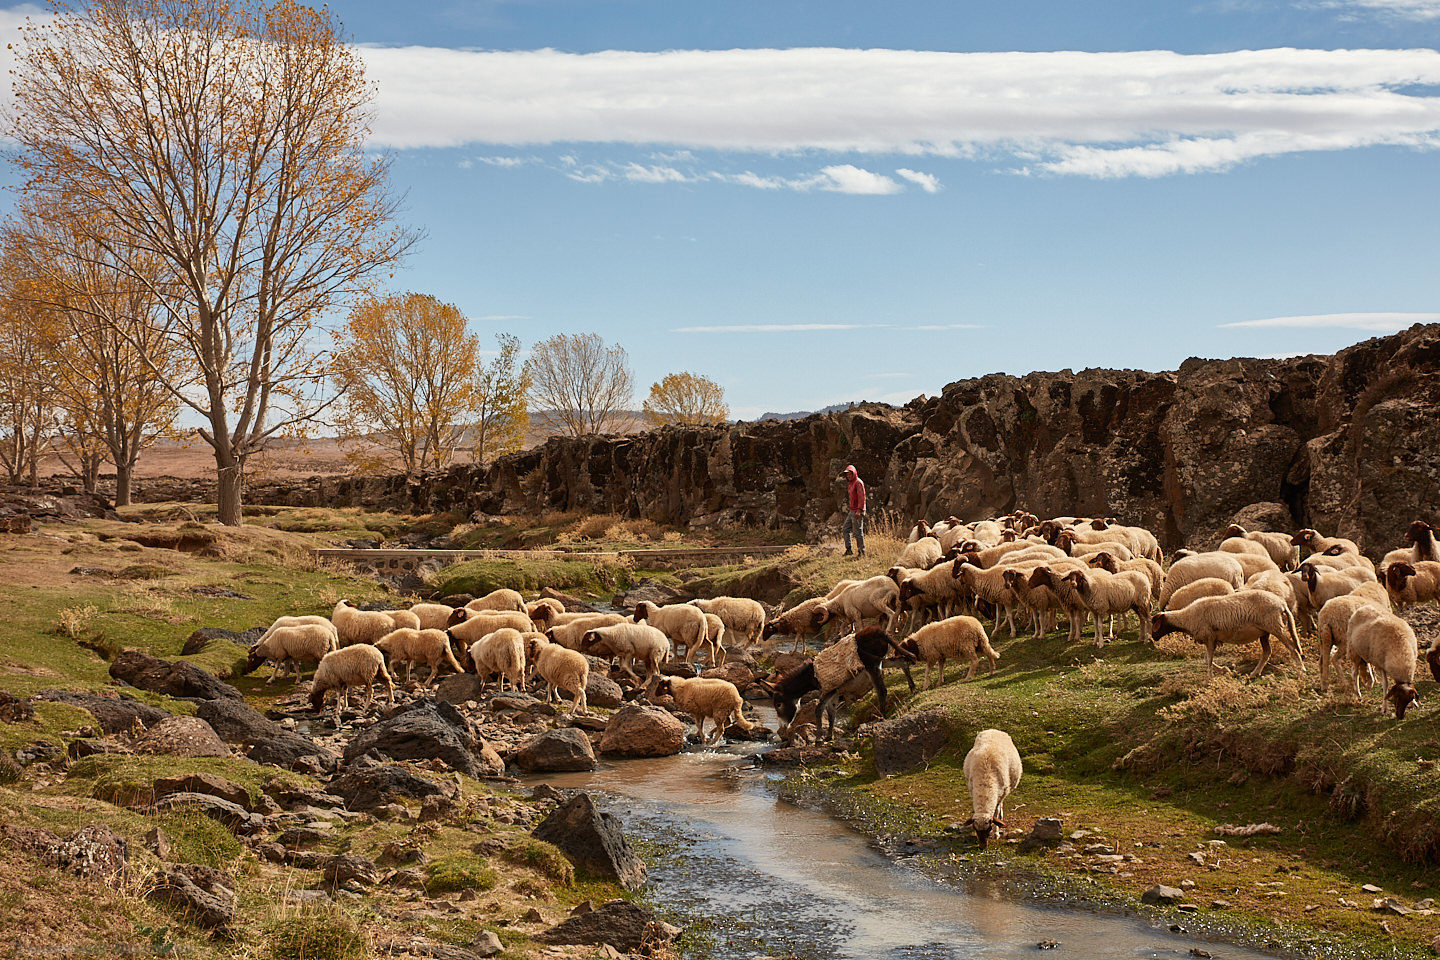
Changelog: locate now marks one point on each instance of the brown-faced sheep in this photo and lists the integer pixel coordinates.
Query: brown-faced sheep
(427, 647)
(1417, 582)
(1242, 617)
(744, 618)
(1333, 624)
(961, 638)
(681, 622)
(290, 645)
(630, 642)
(1280, 546)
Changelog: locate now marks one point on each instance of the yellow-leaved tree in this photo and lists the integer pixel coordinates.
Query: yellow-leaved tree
(688, 399)
(502, 411)
(227, 142)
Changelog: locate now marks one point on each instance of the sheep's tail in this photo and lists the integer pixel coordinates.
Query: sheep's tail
(450, 659)
(986, 648)
(1294, 636)
(743, 723)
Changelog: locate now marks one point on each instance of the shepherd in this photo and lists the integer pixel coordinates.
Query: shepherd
(855, 517)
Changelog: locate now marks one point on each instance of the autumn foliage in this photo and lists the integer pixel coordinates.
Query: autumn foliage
(688, 399)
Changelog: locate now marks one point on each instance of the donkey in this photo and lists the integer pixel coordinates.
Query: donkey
(872, 644)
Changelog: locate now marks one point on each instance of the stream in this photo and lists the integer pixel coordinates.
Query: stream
(775, 880)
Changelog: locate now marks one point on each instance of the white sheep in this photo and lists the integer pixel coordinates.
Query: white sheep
(1279, 546)
(681, 622)
(962, 638)
(300, 621)
(430, 647)
(1188, 569)
(744, 618)
(569, 633)
(1105, 594)
(1310, 541)
(1322, 585)
(502, 599)
(353, 625)
(560, 668)
(876, 598)
(992, 772)
(1242, 617)
(801, 620)
(706, 698)
(715, 634)
(1333, 624)
(1152, 570)
(354, 666)
(1380, 640)
(935, 591)
(629, 642)
(288, 645)
(1204, 587)
(433, 616)
(923, 553)
(501, 652)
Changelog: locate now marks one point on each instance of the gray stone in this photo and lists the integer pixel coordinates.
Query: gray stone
(93, 853)
(203, 894)
(206, 783)
(180, 736)
(117, 714)
(348, 867)
(376, 786)
(458, 688)
(1047, 830)
(556, 751)
(1160, 894)
(593, 841)
(906, 742)
(601, 691)
(175, 678)
(293, 751)
(626, 926)
(239, 820)
(485, 944)
(424, 730)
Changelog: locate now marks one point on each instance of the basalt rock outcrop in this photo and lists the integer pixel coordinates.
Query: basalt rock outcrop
(1344, 443)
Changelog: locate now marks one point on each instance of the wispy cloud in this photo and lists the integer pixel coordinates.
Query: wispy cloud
(1374, 322)
(1137, 113)
(821, 327)
(925, 181)
(1401, 9)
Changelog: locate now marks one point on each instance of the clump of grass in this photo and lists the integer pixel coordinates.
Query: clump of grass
(10, 769)
(543, 857)
(73, 622)
(454, 873)
(144, 571)
(195, 838)
(479, 577)
(317, 933)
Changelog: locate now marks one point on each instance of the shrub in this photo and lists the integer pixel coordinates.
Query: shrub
(72, 622)
(453, 873)
(543, 857)
(317, 933)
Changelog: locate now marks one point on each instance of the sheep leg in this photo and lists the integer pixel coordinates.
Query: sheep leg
(974, 665)
(905, 666)
(276, 669)
(1209, 660)
(1264, 655)
(877, 679)
(1099, 631)
(700, 729)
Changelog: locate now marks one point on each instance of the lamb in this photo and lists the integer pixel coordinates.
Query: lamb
(958, 637)
(1333, 624)
(1222, 566)
(1204, 587)
(1106, 594)
(561, 669)
(799, 621)
(1279, 546)
(501, 652)
(354, 666)
(1241, 617)
(502, 599)
(744, 618)
(876, 598)
(715, 633)
(1379, 639)
(706, 698)
(1417, 582)
(630, 642)
(1324, 585)
(433, 616)
(287, 645)
(430, 647)
(681, 622)
(992, 772)
(353, 625)
(1310, 541)
(924, 553)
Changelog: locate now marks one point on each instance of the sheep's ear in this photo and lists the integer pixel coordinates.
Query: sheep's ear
(997, 822)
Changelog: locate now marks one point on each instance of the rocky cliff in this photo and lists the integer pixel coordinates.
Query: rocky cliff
(1345, 443)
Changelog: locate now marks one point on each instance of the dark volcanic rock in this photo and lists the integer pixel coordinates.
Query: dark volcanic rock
(204, 894)
(376, 786)
(642, 731)
(626, 926)
(423, 730)
(348, 867)
(93, 853)
(906, 742)
(173, 678)
(206, 783)
(292, 751)
(114, 714)
(236, 721)
(593, 841)
(556, 751)
(601, 691)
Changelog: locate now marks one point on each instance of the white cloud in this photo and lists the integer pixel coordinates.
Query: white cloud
(1147, 113)
(655, 174)
(1402, 9)
(925, 181)
(1374, 322)
(502, 161)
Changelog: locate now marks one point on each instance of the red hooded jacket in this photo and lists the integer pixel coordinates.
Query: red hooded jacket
(855, 489)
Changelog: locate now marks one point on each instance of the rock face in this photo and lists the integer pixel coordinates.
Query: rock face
(1345, 443)
(174, 678)
(593, 841)
(906, 742)
(642, 731)
(556, 751)
(424, 730)
(626, 926)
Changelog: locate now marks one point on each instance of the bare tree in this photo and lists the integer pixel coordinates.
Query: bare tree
(225, 141)
(578, 384)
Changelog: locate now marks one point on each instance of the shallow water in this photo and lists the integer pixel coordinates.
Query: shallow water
(776, 879)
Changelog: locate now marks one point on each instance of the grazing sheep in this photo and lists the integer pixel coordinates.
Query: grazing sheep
(744, 618)
(502, 599)
(288, 645)
(1333, 624)
(1242, 545)
(715, 633)
(569, 633)
(1242, 617)
(501, 652)
(989, 585)
(1204, 587)
(541, 611)
(1310, 541)
(1188, 569)
(1152, 570)
(1273, 581)
(923, 553)
(681, 622)
(353, 625)
(630, 642)
(989, 557)
(466, 627)
(1417, 582)
(799, 621)
(706, 698)
(430, 647)
(1047, 577)
(433, 616)
(876, 598)
(561, 669)
(919, 531)
(1280, 546)
(935, 591)
(992, 772)
(354, 666)
(301, 621)
(958, 637)
(1378, 639)
(847, 668)
(1323, 585)
(1106, 594)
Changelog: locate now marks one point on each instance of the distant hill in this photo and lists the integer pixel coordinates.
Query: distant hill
(799, 414)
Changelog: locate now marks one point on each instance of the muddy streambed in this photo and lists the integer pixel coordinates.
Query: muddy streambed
(768, 878)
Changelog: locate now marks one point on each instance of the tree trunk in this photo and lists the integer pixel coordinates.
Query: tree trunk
(228, 494)
(90, 473)
(123, 473)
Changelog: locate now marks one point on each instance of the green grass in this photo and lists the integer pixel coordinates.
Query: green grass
(196, 838)
(591, 577)
(456, 872)
(545, 858)
(317, 933)
(126, 774)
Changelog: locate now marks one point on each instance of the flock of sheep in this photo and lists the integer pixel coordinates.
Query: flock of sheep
(1020, 571)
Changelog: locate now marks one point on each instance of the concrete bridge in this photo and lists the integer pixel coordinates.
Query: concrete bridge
(658, 558)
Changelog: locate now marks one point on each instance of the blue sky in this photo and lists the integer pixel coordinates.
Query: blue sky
(829, 201)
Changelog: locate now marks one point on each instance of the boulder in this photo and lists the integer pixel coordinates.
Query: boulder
(593, 841)
(424, 730)
(239, 820)
(78, 749)
(1265, 516)
(1046, 830)
(556, 751)
(293, 751)
(1161, 894)
(348, 867)
(202, 638)
(652, 591)
(737, 673)
(206, 783)
(174, 678)
(376, 786)
(15, 709)
(628, 927)
(94, 853)
(458, 688)
(204, 894)
(601, 691)
(114, 714)
(906, 742)
(181, 736)
(642, 731)
(236, 721)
